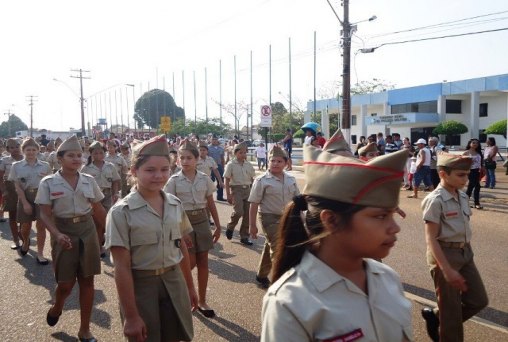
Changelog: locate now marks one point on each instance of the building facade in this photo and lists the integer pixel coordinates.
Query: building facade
(415, 111)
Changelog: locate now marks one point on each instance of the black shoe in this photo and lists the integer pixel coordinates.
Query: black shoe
(432, 322)
(211, 223)
(263, 282)
(246, 242)
(229, 234)
(52, 321)
(208, 313)
(221, 200)
(15, 246)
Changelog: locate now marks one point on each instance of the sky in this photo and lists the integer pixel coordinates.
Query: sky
(145, 43)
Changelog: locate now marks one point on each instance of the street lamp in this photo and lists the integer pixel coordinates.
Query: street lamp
(81, 99)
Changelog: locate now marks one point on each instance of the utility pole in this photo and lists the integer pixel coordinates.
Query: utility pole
(81, 98)
(31, 104)
(9, 114)
(346, 73)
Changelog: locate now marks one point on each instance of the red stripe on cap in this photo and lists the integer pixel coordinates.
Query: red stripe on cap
(360, 166)
(375, 184)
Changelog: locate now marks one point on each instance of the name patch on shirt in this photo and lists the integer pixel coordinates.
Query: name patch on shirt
(351, 336)
(451, 214)
(57, 193)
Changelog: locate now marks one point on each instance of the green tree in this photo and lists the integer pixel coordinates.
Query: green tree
(450, 127)
(201, 127)
(13, 124)
(152, 105)
(498, 127)
(281, 120)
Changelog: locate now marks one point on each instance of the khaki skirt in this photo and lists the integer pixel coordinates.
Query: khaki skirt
(83, 258)
(202, 239)
(21, 216)
(164, 305)
(10, 197)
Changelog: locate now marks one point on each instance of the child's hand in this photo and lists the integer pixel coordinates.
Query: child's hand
(455, 280)
(253, 231)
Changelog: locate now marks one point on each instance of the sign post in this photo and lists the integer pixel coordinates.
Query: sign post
(165, 124)
(266, 121)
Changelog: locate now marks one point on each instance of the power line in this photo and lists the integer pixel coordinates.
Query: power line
(367, 50)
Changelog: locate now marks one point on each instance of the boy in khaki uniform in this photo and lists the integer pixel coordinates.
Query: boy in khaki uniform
(239, 174)
(459, 287)
(270, 194)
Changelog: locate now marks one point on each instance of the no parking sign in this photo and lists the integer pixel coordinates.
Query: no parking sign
(266, 116)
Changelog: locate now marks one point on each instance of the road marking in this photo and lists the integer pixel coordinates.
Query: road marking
(482, 321)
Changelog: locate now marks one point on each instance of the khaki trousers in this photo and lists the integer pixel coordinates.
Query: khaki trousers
(454, 306)
(270, 227)
(240, 210)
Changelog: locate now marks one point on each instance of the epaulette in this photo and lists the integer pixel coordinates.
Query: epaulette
(278, 284)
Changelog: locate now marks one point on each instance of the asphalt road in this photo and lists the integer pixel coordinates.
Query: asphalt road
(26, 288)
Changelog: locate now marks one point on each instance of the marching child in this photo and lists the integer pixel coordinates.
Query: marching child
(328, 287)
(146, 234)
(118, 161)
(270, 194)
(459, 288)
(195, 189)
(239, 174)
(26, 176)
(67, 200)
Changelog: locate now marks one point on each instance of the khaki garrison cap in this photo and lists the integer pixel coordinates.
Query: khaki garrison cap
(58, 141)
(240, 146)
(370, 147)
(29, 142)
(188, 146)
(94, 145)
(157, 146)
(375, 183)
(125, 145)
(454, 161)
(51, 144)
(338, 145)
(12, 142)
(203, 144)
(276, 151)
(70, 144)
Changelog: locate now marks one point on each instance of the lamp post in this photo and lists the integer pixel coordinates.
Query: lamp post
(133, 105)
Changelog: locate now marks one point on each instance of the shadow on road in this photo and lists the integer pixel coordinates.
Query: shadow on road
(230, 272)
(226, 329)
(63, 336)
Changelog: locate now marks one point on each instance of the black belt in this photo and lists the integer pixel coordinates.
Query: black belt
(453, 244)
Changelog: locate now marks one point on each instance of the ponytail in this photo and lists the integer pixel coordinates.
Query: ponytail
(295, 237)
(89, 160)
(292, 237)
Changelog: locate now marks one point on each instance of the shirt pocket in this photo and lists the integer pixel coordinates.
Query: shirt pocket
(88, 191)
(144, 238)
(182, 188)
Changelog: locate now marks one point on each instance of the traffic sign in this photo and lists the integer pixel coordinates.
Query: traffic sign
(266, 116)
(165, 125)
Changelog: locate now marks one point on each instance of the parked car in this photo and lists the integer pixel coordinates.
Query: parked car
(256, 143)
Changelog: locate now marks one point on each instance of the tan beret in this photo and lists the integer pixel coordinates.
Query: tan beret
(156, 146)
(69, 144)
(276, 151)
(454, 161)
(370, 147)
(338, 145)
(375, 183)
(240, 146)
(29, 142)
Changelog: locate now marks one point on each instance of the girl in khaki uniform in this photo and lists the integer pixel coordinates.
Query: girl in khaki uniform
(195, 189)
(144, 232)
(67, 200)
(328, 287)
(10, 197)
(118, 161)
(26, 176)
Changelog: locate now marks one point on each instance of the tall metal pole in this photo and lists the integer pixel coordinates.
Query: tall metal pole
(220, 91)
(290, 93)
(206, 95)
(251, 100)
(269, 88)
(346, 73)
(314, 103)
(183, 90)
(236, 122)
(31, 104)
(195, 103)
(127, 105)
(81, 98)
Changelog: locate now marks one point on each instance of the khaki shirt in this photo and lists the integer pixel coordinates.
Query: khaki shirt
(5, 166)
(239, 174)
(105, 176)
(151, 239)
(127, 159)
(272, 193)
(53, 161)
(28, 176)
(311, 302)
(66, 202)
(193, 195)
(206, 165)
(119, 162)
(452, 215)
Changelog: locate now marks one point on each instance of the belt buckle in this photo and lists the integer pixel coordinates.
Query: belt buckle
(194, 212)
(76, 219)
(159, 271)
(461, 244)
(244, 186)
